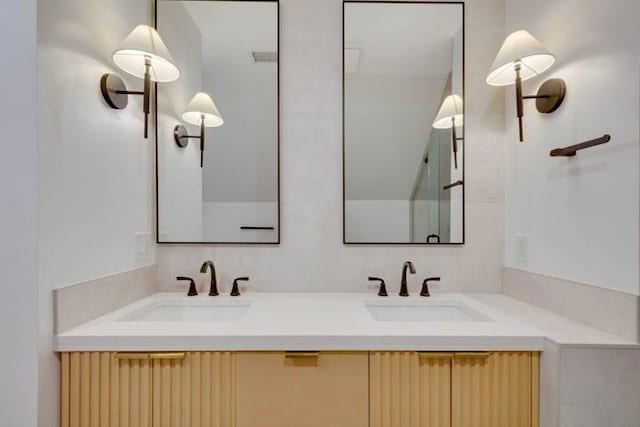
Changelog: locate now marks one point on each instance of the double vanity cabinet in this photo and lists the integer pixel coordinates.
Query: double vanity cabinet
(300, 389)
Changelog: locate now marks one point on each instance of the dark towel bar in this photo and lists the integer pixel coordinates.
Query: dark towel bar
(256, 228)
(453, 184)
(573, 149)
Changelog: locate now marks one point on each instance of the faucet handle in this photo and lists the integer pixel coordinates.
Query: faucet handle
(193, 291)
(235, 290)
(425, 286)
(382, 292)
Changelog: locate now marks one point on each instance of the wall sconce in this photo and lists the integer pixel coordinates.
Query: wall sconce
(450, 116)
(201, 111)
(520, 58)
(143, 54)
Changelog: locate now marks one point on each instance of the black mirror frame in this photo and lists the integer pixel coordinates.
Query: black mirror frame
(155, 114)
(464, 145)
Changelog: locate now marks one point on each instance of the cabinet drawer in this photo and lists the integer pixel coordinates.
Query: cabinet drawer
(302, 389)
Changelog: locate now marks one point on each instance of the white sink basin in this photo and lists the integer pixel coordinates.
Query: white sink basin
(440, 311)
(186, 311)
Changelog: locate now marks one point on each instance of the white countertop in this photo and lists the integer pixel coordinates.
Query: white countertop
(329, 321)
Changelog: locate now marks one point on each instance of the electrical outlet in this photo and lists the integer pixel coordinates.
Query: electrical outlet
(522, 249)
(142, 246)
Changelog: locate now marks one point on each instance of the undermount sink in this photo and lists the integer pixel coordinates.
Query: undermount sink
(440, 311)
(185, 311)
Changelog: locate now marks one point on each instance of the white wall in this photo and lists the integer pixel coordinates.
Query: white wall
(18, 216)
(95, 168)
(311, 256)
(580, 214)
(179, 173)
(222, 221)
(381, 221)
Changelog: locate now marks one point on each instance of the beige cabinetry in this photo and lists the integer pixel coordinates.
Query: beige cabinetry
(301, 389)
(410, 389)
(147, 389)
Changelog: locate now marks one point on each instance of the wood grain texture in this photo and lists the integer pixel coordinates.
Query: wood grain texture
(330, 389)
(135, 390)
(494, 391)
(408, 389)
(225, 389)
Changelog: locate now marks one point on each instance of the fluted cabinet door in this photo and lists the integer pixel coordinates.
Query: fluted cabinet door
(100, 390)
(498, 389)
(410, 389)
(196, 391)
(147, 389)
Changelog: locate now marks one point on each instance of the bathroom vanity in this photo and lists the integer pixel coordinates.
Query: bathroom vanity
(301, 360)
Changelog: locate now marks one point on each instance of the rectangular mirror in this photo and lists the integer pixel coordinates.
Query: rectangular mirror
(403, 123)
(218, 152)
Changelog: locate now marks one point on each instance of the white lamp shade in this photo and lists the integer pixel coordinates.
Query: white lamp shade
(523, 47)
(143, 42)
(452, 107)
(200, 105)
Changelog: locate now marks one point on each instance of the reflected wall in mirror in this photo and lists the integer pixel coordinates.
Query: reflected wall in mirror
(218, 152)
(403, 123)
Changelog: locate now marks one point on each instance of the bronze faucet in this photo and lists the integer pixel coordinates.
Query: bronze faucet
(213, 290)
(235, 290)
(193, 291)
(404, 292)
(425, 286)
(382, 291)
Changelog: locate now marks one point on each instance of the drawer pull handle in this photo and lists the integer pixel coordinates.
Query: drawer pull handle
(473, 355)
(431, 355)
(167, 356)
(149, 356)
(132, 356)
(307, 354)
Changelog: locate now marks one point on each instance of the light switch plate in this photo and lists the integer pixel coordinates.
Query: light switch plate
(522, 249)
(142, 246)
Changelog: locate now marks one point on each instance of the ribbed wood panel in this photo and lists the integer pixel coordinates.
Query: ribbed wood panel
(495, 391)
(198, 391)
(98, 390)
(410, 390)
(102, 390)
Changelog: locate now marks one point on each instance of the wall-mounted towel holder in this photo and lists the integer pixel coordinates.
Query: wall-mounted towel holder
(453, 184)
(256, 228)
(573, 149)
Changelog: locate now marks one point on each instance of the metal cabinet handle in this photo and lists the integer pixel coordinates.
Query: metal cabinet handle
(167, 356)
(472, 355)
(150, 356)
(431, 355)
(131, 356)
(307, 354)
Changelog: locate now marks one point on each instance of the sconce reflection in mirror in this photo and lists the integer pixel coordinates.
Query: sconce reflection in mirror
(450, 116)
(201, 111)
(521, 58)
(143, 54)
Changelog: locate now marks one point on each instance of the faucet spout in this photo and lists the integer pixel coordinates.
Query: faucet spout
(404, 291)
(213, 290)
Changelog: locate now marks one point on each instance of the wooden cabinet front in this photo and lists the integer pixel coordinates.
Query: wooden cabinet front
(410, 389)
(147, 389)
(346, 389)
(302, 389)
(498, 389)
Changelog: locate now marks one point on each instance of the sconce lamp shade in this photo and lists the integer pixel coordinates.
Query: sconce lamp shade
(519, 47)
(452, 108)
(200, 105)
(145, 43)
